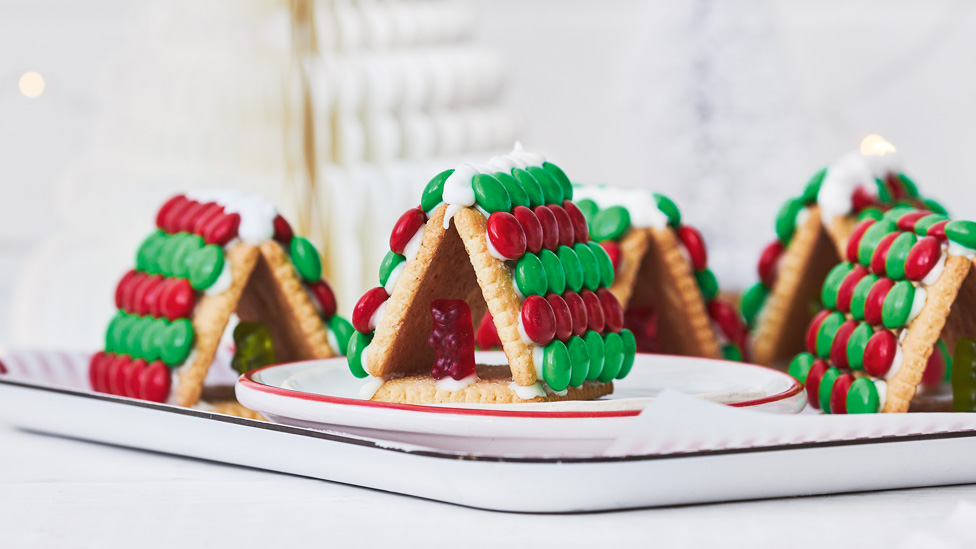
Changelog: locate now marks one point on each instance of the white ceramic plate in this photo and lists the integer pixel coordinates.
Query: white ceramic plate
(321, 394)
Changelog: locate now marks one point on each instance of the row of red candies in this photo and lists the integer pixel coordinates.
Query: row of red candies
(561, 317)
(121, 375)
(155, 295)
(208, 219)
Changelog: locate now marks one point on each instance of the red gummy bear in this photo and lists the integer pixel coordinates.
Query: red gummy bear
(643, 323)
(452, 338)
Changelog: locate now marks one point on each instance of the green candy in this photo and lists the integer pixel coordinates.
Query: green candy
(589, 264)
(911, 189)
(832, 284)
(827, 332)
(115, 332)
(786, 219)
(133, 338)
(923, 224)
(165, 258)
(610, 224)
(531, 186)
(731, 352)
(557, 368)
(856, 345)
(630, 352)
(572, 267)
(254, 348)
(613, 357)
(934, 206)
(752, 302)
(560, 176)
(603, 261)
(895, 213)
(551, 189)
(152, 339)
(555, 275)
(515, 191)
(898, 305)
(668, 208)
(962, 233)
(306, 259)
(812, 189)
(434, 191)
(595, 350)
(186, 245)
(205, 266)
(354, 358)
(871, 212)
(883, 195)
(874, 234)
(491, 194)
(148, 250)
(177, 342)
(390, 262)
(342, 330)
(530, 275)
(589, 209)
(707, 283)
(826, 386)
(860, 296)
(898, 255)
(579, 359)
(862, 397)
(800, 366)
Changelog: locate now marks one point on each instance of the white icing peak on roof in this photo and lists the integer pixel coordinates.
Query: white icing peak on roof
(639, 203)
(257, 212)
(843, 176)
(529, 158)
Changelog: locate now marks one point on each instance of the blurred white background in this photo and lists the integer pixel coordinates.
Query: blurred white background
(728, 106)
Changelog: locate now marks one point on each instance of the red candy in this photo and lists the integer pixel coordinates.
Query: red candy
(150, 303)
(881, 253)
(506, 235)
(323, 294)
(613, 250)
(154, 382)
(934, 370)
(845, 293)
(564, 318)
(613, 314)
(188, 216)
(550, 227)
(728, 321)
(409, 223)
(96, 371)
(769, 261)
(907, 222)
(282, 230)
(813, 329)
(452, 338)
(838, 349)
(875, 300)
(567, 234)
(176, 299)
(879, 353)
(577, 309)
(166, 211)
(861, 198)
(210, 212)
(125, 289)
(580, 230)
(115, 374)
(594, 311)
(362, 314)
(895, 188)
(692, 240)
(538, 319)
(855, 239)
(221, 229)
(487, 335)
(145, 294)
(922, 257)
(531, 227)
(814, 376)
(132, 373)
(838, 393)
(938, 230)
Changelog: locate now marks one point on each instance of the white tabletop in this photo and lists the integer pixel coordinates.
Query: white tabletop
(57, 492)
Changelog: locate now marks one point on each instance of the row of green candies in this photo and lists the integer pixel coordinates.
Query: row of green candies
(833, 390)
(588, 358)
(149, 338)
(530, 187)
(583, 265)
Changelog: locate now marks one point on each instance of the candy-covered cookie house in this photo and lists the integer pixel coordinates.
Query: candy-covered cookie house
(661, 275)
(903, 296)
(505, 238)
(812, 231)
(214, 254)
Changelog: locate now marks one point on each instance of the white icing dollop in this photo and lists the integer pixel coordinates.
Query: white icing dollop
(538, 354)
(528, 392)
(394, 277)
(364, 358)
(413, 245)
(257, 218)
(527, 158)
(224, 281)
(918, 302)
(933, 275)
(450, 384)
(372, 385)
(842, 177)
(449, 214)
(801, 217)
(960, 250)
(503, 164)
(550, 390)
(332, 339)
(640, 204)
(377, 317)
(458, 188)
(492, 251)
(882, 387)
(896, 362)
(521, 330)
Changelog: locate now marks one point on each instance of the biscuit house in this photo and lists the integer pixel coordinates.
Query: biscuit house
(906, 282)
(212, 255)
(504, 238)
(662, 279)
(812, 230)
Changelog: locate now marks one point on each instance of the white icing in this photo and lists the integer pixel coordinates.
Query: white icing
(801, 216)
(377, 317)
(257, 212)
(917, 303)
(959, 249)
(364, 358)
(333, 340)
(640, 204)
(394, 277)
(896, 363)
(224, 281)
(933, 276)
(521, 330)
(902, 335)
(413, 246)
(458, 188)
(528, 158)
(528, 392)
(450, 384)
(842, 177)
(550, 390)
(882, 387)
(449, 214)
(372, 385)
(883, 164)
(492, 251)
(538, 353)
(502, 164)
